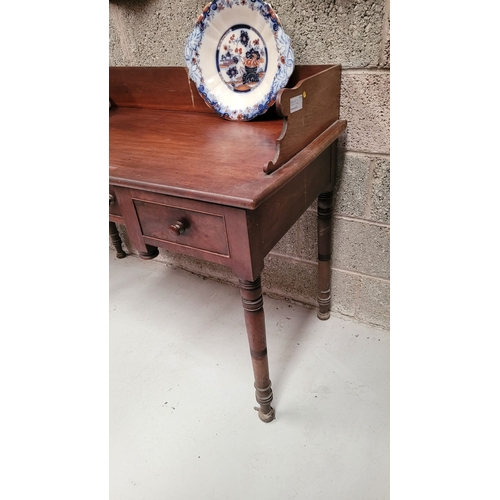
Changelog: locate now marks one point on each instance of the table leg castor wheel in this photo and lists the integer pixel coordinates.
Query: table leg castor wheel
(266, 417)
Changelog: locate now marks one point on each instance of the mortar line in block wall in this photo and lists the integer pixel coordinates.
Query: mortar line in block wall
(362, 275)
(364, 221)
(350, 152)
(314, 263)
(293, 258)
(364, 71)
(355, 219)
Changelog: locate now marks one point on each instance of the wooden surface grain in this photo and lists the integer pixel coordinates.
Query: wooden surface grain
(162, 152)
(318, 99)
(166, 88)
(187, 153)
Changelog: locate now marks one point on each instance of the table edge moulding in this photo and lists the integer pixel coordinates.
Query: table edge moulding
(183, 178)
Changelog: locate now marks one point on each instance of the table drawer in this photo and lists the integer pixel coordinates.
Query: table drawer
(166, 220)
(114, 207)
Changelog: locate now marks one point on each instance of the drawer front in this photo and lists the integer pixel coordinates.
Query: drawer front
(166, 221)
(114, 207)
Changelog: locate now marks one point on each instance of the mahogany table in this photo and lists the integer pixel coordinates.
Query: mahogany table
(184, 179)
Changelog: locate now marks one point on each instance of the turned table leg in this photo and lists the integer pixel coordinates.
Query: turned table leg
(253, 305)
(116, 240)
(325, 210)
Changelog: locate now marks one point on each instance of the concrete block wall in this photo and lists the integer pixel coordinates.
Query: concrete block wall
(355, 34)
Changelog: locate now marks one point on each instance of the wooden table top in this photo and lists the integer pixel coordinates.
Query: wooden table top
(198, 155)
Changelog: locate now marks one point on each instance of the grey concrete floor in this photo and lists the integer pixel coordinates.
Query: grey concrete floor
(182, 424)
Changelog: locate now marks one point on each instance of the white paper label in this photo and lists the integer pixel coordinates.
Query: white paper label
(295, 103)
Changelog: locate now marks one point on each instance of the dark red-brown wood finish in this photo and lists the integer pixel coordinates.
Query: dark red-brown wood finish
(184, 179)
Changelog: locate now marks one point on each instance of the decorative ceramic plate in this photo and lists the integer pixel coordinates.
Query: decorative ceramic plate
(239, 57)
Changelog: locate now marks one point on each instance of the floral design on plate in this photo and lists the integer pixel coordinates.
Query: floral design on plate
(239, 57)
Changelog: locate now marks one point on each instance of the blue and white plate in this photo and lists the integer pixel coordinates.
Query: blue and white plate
(239, 57)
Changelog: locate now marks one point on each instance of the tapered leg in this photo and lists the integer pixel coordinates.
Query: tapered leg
(253, 305)
(116, 240)
(325, 210)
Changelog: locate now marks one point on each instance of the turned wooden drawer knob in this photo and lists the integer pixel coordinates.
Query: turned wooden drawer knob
(111, 199)
(177, 228)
